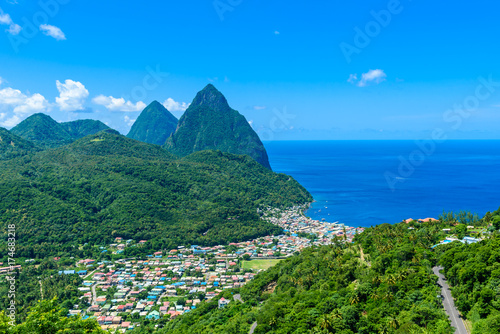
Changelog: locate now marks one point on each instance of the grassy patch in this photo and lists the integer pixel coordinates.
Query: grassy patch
(260, 264)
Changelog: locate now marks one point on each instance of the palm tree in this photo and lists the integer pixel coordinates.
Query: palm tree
(355, 298)
(392, 322)
(325, 322)
(375, 295)
(391, 279)
(336, 314)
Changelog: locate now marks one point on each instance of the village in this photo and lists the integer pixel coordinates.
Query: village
(172, 282)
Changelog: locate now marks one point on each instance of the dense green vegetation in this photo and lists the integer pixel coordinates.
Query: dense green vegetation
(12, 146)
(49, 318)
(45, 132)
(210, 124)
(83, 127)
(35, 283)
(42, 130)
(106, 186)
(381, 284)
(154, 125)
(473, 271)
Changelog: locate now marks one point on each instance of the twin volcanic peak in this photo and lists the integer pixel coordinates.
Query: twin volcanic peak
(45, 132)
(211, 124)
(154, 125)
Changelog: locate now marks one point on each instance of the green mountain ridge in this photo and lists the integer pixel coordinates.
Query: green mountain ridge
(83, 127)
(42, 130)
(45, 132)
(211, 124)
(154, 125)
(107, 185)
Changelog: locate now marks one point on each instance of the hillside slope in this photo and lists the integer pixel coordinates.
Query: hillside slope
(12, 146)
(107, 185)
(335, 289)
(42, 130)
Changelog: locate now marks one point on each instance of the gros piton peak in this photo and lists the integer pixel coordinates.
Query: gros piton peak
(211, 124)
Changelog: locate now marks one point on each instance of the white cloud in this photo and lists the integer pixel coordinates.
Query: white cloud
(276, 32)
(259, 107)
(14, 29)
(372, 76)
(11, 97)
(119, 104)
(5, 19)
(172, 105)
(129, 121)
(11, 122)
(52, 31)
(72, 95)
(1, 81)
(352, 78)
(21, 105)
(33, 104)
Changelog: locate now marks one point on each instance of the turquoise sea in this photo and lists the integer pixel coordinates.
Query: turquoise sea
(363, 183)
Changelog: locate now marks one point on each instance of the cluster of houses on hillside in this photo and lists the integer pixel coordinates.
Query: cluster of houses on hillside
(295, 223)
(125, 290)
(172, 282)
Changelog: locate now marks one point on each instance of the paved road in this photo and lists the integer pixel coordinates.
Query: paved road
(254, 325)
(238, 297)
(90, 274)
(449, 304)
(94, 295)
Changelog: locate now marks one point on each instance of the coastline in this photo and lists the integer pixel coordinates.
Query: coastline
(296, 223)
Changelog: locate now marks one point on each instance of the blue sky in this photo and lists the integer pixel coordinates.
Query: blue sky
(296, 70)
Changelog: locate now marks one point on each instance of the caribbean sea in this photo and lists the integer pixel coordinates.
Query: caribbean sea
(364, 183)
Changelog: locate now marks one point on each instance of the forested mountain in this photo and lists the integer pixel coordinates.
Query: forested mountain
(42, 130)
(154, 125)
(83, 127)
(12, 146)
(107, 185)
(210, 124)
